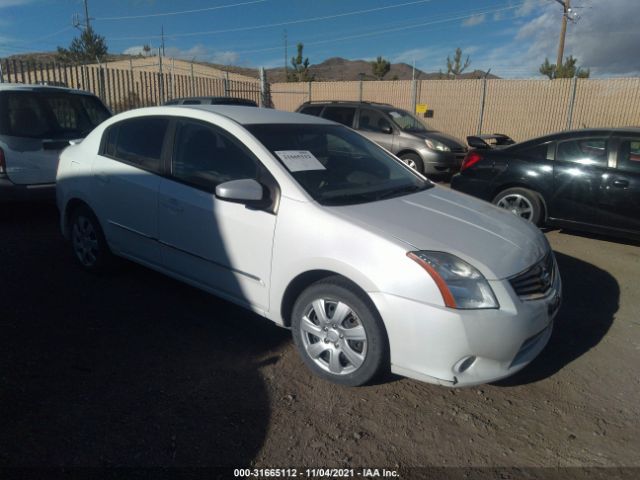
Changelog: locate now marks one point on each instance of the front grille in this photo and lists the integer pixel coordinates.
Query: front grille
(536, 281)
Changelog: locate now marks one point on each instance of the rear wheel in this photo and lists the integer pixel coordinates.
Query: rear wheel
(522, 202)
(88, 244)
(413, 160)
(338, 334)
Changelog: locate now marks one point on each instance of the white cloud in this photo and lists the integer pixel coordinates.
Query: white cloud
(475, 20)
(135, 50)
(605, 38)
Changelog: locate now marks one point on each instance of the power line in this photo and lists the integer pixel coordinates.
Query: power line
(150, 15)
(279, 24)
(390, 30)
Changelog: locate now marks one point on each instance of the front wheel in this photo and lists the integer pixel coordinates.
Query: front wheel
(413, 160)
(340, 337)
(522, 202)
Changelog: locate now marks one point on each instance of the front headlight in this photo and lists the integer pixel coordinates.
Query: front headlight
(462, 286)
(436, 145)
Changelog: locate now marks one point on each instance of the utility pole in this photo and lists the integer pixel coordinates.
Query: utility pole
(566, 6)
(162, 35)
(87, 18)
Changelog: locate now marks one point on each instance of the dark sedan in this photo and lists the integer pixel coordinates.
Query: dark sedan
(585, 179)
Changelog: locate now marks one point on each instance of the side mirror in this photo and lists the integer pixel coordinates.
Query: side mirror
(386, 129)
(246, 190)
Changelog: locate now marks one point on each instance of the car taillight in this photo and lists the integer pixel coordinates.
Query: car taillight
(471, 159)
(3, 166)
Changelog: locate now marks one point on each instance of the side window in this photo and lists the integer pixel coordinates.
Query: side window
(139, 142)
(192, 102)
(204, 156)
(629, 155)
(110, 141)
(372, 121)
(585, 151)
(313, 110)
(343, 115)
(535, 152)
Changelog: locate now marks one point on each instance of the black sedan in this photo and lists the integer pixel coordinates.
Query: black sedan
(585, 179)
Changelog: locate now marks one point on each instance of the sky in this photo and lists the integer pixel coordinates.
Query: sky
(510, 37)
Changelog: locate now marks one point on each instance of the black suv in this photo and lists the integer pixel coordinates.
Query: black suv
(428, 151)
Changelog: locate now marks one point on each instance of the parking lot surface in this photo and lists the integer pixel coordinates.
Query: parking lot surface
(133, 368)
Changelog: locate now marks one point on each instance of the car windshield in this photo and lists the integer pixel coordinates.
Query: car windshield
(55, 115)
(337, 166)
(406, 121)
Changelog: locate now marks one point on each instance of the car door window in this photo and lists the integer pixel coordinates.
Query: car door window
(372, 121)
(205, 156)
(343, 115)
(629, 155)
(139, 142)
(585, 151)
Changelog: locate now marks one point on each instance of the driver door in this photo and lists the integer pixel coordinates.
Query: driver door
(216, 244)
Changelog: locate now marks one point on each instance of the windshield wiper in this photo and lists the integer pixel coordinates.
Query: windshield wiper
(401, 191)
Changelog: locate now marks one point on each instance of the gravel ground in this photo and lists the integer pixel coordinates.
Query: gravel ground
(135, 369)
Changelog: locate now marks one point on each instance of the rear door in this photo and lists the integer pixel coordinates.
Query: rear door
(579, 179)
(377, 128)
(621, 197)
(126, 176)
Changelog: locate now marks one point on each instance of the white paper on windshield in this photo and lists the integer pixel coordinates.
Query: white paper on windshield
(395, 114)
(299, 160)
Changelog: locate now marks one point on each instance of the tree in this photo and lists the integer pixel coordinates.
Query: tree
(85, 48)
(300, 66)
(567, 70)
(380, 68)
(455, 67)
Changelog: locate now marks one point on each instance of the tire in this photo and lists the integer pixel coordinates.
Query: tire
(349, 351)
(88, 244)
(413, 160)
(522, 202)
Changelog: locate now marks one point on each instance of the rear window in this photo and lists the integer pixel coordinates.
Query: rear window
(49, 114)
(314, 110)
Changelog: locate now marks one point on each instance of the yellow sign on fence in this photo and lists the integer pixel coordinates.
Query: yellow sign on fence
(421, 108)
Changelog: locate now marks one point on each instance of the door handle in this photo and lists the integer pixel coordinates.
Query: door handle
(621, 183)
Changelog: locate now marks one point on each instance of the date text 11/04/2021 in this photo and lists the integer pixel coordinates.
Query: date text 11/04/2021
(315, 473)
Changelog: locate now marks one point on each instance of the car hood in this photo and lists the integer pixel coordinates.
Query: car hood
(495, 241)
(449, 140)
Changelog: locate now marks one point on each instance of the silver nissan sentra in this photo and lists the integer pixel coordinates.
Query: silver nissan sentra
(318, 229)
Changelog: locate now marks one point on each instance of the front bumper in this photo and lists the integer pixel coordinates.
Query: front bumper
(11, 192)
(467, 347)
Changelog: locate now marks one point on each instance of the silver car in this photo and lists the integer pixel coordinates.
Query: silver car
(36, 124)
(425, 150)
(320, 230)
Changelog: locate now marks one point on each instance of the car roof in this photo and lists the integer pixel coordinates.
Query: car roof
(350, 103)
(568, 134)
(21, 87)
(252, 115)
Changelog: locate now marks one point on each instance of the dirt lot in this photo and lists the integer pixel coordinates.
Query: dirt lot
(136, 369)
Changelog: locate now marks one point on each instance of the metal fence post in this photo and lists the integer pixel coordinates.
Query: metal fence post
(414, 96)
(482, 103)
(160, 80)
(1, 74)
(361, 86)
(309, 91)
(264, 89)
(193, 81)
(574, 86)
(226, 84)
